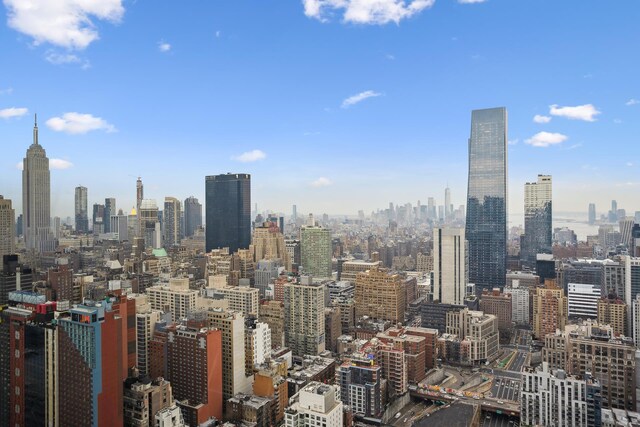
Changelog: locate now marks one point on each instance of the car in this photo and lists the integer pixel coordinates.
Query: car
(398, 415)
(500, 402)
(488, 417)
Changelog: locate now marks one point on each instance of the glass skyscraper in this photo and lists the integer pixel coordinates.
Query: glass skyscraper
(486, 226)
(228, 211)
(537, 220)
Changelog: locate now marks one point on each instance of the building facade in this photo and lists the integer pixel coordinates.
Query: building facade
(228, 211)
(316, 251)
(449, 265)
(537, 219)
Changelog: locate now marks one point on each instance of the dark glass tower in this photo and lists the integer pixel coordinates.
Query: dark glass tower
(192, 215)
(228, 211)
(537, 220)
(486, 227)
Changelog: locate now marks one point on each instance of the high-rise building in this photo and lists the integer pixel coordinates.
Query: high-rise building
(360, 382)
(449, 265)
(380, 294)
(98, 218)
(228, 211)
(552, 398)
(316, 404)
(36, 198)
(537, 219)
(145, 325)
(90, 366)
(109, 211)
(304, 327)
(144, 398)
(13, 277)
(171, 221)
(550, 310)
(7, 227)
(176, 298)
(192, 216)
(316, 251)
(268, 243)
(592, 213)
(194, 368)
(613, 311)
(486, 225)
(500, 305)
(149, 224)
(448, 207)
(81, 210)
(583, 300)
(294, 214)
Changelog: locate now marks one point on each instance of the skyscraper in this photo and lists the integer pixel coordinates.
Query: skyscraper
(228, 211)
(36, 197)
(171, 221)
(98, 218)
(315, 250)
(537, 219)
(448, 208)
(7, 227)
(109, 211)
(449, 265)
(82, 217)
(486, 226)
(592, 213)
(192, 215)
(304, 317)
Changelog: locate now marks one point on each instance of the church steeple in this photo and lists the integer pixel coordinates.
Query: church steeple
(35, 130)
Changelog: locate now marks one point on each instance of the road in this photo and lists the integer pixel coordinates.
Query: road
(490, 419)
(506, 389)
(518, 361)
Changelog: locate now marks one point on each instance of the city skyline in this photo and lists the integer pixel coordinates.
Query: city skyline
(568, 95)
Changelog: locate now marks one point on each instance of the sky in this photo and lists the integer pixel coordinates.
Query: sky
(332, 105)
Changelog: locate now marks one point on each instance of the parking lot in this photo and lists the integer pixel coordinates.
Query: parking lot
(506, 389)
(490, 419)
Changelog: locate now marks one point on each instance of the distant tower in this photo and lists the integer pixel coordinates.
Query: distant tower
(294, 214)
(228, 211)
(82, 217)
(537, 219)
(139, 198)
(592, 213)
(486, 226)
(192, 215)
(7, 227)
(109, 211)
(447, 203)
(316, 251)
(449, 265)
(171, 221)
(36, 197)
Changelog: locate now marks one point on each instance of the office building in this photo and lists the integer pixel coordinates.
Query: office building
(172, 215)
(36, 198)
(550, 310)
(316, 405)
(195, 370)
(583, 300)
(232, 325)
(192, 216)
(449, 265)
(478, 333)
(537, 219)
(592, 213)
(613, 311)
(97, 222)
(7, 227)
(175, 298)
(228, 211)
(381, 295)
(553, 398)
(90, 366)
(241, 298)
(316, 251)
(360, 382)
(486, 225)
(304, 326)
(350, 269)
(268, 244)
(81, 212)
(500, 305)
(119, 224)
(149, 224)
(109, 211)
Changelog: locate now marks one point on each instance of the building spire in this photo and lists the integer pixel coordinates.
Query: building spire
(35, 129)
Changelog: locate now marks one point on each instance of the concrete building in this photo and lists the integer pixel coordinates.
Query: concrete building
(478, 333)
(361, 387)
(253, 410)
(270, 381)
(500, 305)
(232, 325)
(143, 399)
(316, 405)
(195, 369)
(583, 300)
(552, 398)
(81, 210)
(613, 311)
(172, 215)
(272, 313)
(350, 269)
(519, 303)
(36, 198)
(268, 244)
(241, 298)
(192, 216)
(332, 327)
(449, 265)
(145, 326)
(316, 251)
(7, 227)
(175, 298)
(380, 295)
(257, 345)
(304, 326)
(550, 311)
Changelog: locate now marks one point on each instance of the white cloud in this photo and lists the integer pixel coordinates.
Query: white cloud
(352, 100)
(250, 156)
(7, 91)
(617, 121)
(9, 113)
(59, 164)
(541, 119)
(513, 141)
(164, 47)
(365, 11)
(471, 1)
(58, 58)
(218, 34)
(585, 112)
(65, 23)
(545, 139)
(77, 123)
(321, 182)
(630, 164)
(631, 102)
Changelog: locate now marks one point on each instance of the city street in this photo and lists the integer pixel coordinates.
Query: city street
(490, 419)
(506, 389)
(518, 361)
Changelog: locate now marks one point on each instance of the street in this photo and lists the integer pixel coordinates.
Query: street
(506, 389)
(490, 419)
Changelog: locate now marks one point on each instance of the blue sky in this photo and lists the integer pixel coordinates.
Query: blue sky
(340, 105)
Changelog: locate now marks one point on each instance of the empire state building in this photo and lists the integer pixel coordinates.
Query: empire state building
(36, 198)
